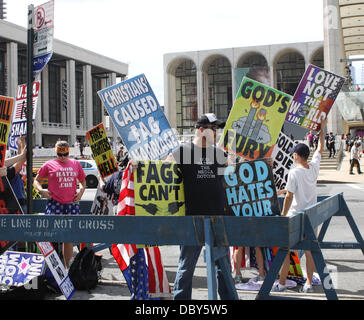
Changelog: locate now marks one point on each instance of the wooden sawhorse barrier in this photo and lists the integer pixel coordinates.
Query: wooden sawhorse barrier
(293, 233)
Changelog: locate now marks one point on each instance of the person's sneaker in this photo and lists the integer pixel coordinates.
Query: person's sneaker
(238, 279)
(352, 173)
(306, 289)
(278, 288)
(257, 279)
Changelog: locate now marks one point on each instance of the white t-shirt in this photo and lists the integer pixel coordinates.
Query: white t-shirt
(302, 183)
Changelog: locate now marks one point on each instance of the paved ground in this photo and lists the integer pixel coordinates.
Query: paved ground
(347, 265)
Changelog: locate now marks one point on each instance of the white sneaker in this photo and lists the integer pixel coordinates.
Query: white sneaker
(278, 288)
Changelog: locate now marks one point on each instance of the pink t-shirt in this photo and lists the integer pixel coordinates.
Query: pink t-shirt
(62, 178)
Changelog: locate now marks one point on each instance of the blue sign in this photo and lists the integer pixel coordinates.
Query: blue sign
(40, 62)
(139, 119)
(18, 268)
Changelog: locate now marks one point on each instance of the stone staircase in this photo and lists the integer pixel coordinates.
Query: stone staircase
(326, 162)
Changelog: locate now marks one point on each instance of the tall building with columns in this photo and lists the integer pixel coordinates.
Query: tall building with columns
(198, 82)
(68, 105)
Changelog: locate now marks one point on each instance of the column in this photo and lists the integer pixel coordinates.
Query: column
(71, 97)
(114, 131)
(12, 66)
(333, 52)
(87, 94)
(200, 99)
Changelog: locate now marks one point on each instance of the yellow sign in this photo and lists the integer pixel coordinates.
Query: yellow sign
(101, 151)
(255, 120)
(6, 110)
(158, 189)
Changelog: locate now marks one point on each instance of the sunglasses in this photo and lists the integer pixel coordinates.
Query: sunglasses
(211, 128)
(63, 154)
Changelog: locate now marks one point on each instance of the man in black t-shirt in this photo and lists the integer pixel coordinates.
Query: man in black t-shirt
(201, 164)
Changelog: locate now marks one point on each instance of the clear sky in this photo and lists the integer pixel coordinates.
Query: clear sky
(140, 32)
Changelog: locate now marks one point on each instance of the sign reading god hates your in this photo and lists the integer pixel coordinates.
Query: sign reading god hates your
(139, 119)
(249, 189)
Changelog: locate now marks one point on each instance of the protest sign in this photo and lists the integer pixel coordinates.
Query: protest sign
(139, 119)
(255, 120)
(6, 109)
(249, 189)
(103, 204)
(19, 123)
(8, 205)
(282, 160)
(158, 189)
(19, 268)
(101, 151)
(56, 267)
(314, 97)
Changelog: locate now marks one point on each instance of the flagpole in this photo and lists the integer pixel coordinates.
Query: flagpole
(30, 110)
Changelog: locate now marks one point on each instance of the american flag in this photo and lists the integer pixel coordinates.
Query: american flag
(142, 267)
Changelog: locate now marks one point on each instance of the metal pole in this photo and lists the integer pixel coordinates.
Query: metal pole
(30, 110)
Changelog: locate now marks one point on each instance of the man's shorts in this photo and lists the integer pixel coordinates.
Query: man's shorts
(54, 207)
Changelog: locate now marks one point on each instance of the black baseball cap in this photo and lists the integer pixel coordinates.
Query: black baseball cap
(302, 150)
(209, 118)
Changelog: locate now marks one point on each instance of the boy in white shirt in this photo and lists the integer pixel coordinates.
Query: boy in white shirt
(355, 155)
(301, 193)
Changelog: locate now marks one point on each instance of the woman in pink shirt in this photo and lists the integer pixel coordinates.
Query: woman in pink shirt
(62, 194)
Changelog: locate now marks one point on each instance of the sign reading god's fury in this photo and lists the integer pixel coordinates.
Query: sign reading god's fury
(255, 120)
(101, 150)
(139, 119)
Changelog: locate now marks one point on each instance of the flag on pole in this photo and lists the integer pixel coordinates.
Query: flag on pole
(142, 267)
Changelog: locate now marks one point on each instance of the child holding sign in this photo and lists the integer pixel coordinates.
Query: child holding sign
(301, 193)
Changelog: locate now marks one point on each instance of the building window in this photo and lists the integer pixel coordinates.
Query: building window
(318, 58)
(54, 74)
(3, 88)
(22, 69)
(219, 88)
(79, 99)
(186, 96)
(289, 71)
(97, 106)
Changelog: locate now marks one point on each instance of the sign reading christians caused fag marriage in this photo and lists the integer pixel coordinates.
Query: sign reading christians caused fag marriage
(158, 189)
(255, 120)
(249, 189)
(314, 97)
(139, 119)
(101, 151)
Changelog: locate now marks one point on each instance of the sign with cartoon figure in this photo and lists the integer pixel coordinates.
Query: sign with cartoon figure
(314, 97)
(250, 190)
(101, 151)
(139, 119)
(158, 189)
(255, 120)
